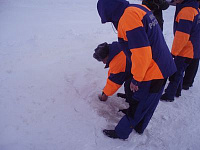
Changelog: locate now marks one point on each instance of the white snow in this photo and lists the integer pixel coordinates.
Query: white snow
(49, 83)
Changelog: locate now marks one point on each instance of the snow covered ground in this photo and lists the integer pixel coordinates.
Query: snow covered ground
(49, 83)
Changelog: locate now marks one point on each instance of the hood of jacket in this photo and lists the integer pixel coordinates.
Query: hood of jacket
(111, 10)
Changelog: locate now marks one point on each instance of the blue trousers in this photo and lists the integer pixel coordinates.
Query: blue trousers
(190, 73)
(145, 101)
(176, 80)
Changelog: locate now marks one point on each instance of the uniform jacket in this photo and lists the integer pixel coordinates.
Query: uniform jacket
(187, 30)
(141, 39)
(119, 69)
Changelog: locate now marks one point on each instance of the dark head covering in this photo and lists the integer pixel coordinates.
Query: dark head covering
(111, 10)
(101, 51)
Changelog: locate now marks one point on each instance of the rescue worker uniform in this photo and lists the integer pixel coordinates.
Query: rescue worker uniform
(142, 41)
(186, 44)
(190, 73)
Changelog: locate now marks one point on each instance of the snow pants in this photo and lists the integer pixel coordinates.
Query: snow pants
(190, 73)
(176, 80)
(142, 107)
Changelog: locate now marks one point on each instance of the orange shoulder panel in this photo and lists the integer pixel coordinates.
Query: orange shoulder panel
(130, 20)
(187, 13)
(118, 63)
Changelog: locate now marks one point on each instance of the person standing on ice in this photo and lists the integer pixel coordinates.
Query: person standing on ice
(142, 41)
(186, 44)
(119, 69)
(190, 73)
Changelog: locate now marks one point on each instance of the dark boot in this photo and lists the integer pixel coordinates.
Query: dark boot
(139, 132)
(125, 111)
(185, 87)
(121, 95)
(111, 134)
(138, 127)
(165, 98)
(178, 94)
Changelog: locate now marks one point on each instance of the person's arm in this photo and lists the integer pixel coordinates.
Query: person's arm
(184, 22)
(116, 76)
(131, 30)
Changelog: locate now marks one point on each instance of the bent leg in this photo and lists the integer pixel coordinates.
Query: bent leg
(147, 103)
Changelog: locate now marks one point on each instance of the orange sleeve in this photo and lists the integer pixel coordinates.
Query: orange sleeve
(141, 60)
(184, 21)
(129, 21)
(180, 40)
(110, 87)
(130, 29)
(186, 13)
(116, 74)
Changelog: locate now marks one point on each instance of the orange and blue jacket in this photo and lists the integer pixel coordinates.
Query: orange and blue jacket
(141, 39)
(119, 69)
(187, 30)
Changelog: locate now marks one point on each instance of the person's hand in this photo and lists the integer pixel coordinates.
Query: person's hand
(103, 97)
(133, 87)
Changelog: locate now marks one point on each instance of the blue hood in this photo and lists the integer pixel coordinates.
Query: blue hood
(111, 10)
